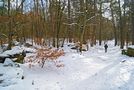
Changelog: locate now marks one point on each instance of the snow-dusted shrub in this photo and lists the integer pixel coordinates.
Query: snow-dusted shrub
(43, 55)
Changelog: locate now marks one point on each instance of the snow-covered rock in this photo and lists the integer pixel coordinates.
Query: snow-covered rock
(9, 76)
(14, 50)
(8, 62)
(16, 43)
(131, 46)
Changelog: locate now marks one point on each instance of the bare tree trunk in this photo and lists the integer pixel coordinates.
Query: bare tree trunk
(93, 38)
(100, 39)
(114, 26)
(9, 25)
(82, 24)
(121, 26)
(69, 21)
(59, 18)
(132, 9)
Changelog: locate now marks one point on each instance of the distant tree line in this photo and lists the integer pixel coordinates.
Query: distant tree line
(52, 22)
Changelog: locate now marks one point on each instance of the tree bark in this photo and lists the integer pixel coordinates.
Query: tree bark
(132, 9)
(9, 25)
(114, 25)
(121, 26)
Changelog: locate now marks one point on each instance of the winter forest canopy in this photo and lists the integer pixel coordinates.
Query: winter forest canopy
(51, 22)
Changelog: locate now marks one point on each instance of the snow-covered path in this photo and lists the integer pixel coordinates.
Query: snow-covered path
(93, 70)
(116, 74)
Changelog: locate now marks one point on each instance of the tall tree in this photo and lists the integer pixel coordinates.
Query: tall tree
(112, 2)
(121, 25)
(100, 30)
(132, 15)
(9, 25)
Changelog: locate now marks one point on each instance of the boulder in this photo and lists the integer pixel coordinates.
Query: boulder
(129, 51)
(3, 57)
(77, 47)
(17, 57)
(28, 45)
(8, 62)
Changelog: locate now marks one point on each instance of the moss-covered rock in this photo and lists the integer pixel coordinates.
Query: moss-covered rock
(130, 52)
(20, 58)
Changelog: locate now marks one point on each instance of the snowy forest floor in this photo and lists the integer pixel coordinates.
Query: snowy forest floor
(91, 70)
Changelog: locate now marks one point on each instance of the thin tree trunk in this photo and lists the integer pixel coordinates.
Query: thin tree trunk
(114, 26)
(9, 25)
(100, 39)
(121, 26)
(132, 9)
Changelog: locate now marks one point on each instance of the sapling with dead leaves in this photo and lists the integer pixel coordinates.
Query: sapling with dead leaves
(45, 54)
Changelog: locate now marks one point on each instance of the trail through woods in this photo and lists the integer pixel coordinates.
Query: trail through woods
(92, 70)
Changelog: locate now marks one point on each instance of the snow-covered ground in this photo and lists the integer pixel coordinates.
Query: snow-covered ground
(92, 70)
